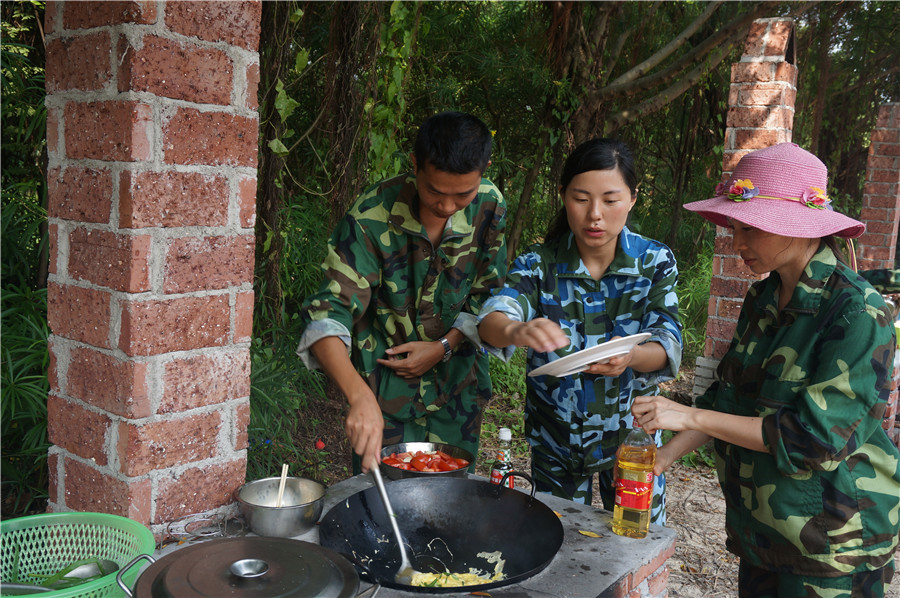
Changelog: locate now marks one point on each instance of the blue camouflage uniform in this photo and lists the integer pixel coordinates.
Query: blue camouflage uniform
(576, 423)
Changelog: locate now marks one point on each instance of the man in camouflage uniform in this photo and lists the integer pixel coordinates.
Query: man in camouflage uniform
(810, 478)
(406, 271)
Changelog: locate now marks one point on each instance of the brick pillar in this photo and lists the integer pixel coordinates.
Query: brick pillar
(152, 134)
(760, 114)
(881, 194)
(877, 247)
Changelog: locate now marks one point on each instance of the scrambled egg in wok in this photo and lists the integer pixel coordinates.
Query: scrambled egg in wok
(453, 580)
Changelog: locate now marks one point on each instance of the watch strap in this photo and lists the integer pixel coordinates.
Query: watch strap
(448, 352)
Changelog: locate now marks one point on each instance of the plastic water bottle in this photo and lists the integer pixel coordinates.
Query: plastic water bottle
(502, 464)
(634, 484)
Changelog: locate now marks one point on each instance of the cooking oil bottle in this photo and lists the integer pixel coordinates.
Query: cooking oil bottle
(634, 484)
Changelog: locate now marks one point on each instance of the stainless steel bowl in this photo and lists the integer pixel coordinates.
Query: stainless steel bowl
(301, 506)
(398, 474)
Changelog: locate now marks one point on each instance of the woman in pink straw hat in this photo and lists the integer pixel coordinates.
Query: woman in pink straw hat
(810, 478)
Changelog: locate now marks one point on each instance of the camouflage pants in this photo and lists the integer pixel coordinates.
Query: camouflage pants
(552, 477)
(445, 425)
(754, 582)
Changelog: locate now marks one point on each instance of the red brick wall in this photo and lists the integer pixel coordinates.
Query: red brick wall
(152, 136)
(650, 580)
(881, 213)
(881, 194)
(760, 114)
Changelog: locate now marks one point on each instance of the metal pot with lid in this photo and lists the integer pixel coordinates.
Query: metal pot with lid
(245, 567)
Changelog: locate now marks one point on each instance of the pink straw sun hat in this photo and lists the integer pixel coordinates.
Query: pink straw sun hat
(781, 190)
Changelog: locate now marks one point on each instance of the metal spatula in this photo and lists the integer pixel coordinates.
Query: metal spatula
(404, 575)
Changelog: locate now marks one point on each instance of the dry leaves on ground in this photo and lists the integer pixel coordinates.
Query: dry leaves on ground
(700, 567)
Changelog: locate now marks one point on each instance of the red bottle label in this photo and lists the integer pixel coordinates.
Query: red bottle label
(634, 494)
(497, 476)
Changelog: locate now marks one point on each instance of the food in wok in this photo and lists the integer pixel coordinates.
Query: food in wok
(474, 577)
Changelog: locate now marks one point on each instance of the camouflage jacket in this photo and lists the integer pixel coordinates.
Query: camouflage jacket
(886, 282)
(825, 499)
(385, 284)
(582, 419)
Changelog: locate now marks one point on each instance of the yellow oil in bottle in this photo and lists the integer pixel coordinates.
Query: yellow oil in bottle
(634, 484)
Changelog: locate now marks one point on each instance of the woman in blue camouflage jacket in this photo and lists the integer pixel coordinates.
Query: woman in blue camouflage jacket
(592, 280)
(810, 478)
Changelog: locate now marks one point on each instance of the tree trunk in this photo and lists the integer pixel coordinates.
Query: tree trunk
(822, 85)
(514, 234)
(276, 55)
(352, 51)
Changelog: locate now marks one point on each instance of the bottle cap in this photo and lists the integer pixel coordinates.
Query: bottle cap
(636, 424)
(505, 434)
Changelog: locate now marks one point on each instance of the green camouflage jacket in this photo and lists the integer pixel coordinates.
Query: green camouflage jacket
(885, 281)
(385, 284)
(825, 499)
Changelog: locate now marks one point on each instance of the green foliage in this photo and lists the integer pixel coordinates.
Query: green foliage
(693, 302)
(281, 386)
(849, 66)
(23, 395)
(505, 409)
(23, 145)
(305, 241)
(278, 390)
(23, 298)
(23, 236)
(24, 114)
(388, 145)
(282, 393)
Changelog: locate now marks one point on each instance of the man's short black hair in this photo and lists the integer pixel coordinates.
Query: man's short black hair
(454, 142)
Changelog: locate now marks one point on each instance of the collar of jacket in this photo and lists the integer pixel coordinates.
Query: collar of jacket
(404, 209)
(810, 289)
(624, 264)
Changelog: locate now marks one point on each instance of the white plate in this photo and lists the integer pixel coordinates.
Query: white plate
(580, 361)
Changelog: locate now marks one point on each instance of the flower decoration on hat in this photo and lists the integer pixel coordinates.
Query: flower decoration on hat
(742, 190)
(815, 198)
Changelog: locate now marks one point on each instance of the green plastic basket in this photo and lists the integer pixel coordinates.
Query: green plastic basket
(45, 544)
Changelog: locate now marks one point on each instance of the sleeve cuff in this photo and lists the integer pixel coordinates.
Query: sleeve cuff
(468, 324)
(673, 351)
(511, 309)
(316, 331)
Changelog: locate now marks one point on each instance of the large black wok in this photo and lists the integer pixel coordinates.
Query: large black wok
(445, 522)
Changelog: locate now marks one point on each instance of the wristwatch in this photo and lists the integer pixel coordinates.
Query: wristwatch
(448, 352)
